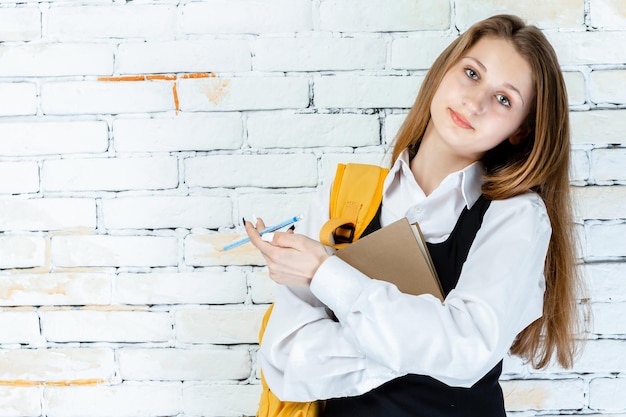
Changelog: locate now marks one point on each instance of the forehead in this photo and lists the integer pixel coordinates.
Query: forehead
(503, 64)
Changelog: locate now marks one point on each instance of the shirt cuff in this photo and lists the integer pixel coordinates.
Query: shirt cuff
(338, 285)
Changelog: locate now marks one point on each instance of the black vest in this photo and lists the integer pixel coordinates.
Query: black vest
(423, 396)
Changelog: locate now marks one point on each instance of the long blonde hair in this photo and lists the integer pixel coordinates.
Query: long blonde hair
(539, 163)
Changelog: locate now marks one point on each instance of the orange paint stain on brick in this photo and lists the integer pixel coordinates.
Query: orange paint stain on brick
(67, 383)
(216, 91)
(160, 77)
(175, 94)
(199, 75)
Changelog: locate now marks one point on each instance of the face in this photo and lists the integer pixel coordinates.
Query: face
(481, 101)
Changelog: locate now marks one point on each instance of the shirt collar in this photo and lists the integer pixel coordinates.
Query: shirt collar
(470, 177)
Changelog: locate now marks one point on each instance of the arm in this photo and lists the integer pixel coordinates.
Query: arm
(310, 356)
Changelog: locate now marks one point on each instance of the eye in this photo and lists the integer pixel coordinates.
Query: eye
(471, 73)
(504, 100)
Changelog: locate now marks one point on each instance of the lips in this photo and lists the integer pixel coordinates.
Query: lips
(460, 121)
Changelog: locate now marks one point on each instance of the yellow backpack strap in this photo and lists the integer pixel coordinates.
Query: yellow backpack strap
(355, 196)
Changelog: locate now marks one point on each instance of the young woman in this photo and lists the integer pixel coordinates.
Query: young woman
(481, 162)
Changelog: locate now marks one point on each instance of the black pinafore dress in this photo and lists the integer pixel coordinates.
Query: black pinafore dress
(420, 395)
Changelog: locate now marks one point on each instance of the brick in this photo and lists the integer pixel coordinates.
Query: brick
(598, 127)
(607, 394)
(575, 84)
(318, 54)
(273, 208)
(607, 14)
(521, 395)
(106, 250)
(608, 164)
(20, 401)
(41, 60)
(114, 400)
(53, 138)
(246, 16)
(56, 365)
(71, 288)
(198, 287)
(152, 21)
(166, 212)
(578, 48)
(606, 240)
(612, 207)
(608, 86)
(606, 281)
(20, 99)
(109, 174)
(206, 250)
(312, 130)
(24, 177)
(393, 122)
(297, 170)
(599, 356)
(546, 15)
(418, 51)
(108, 97)
(220, 327)
(106, 326)
(184, 56)
(243, 93)
(366, 91)
(22, 251)
(579, 167)
(181, 133)
(47, 214)
(19, 327)
(262, 288)
(20, 24)
(378, 15)
(185, 365)
(604, 322)
(221, 400)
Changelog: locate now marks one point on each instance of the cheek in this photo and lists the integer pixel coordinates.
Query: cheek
(507, 122)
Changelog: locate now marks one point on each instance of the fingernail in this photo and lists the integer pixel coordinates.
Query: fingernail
(243, 219)
(292, 227)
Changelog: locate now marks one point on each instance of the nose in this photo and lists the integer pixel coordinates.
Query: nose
(475, 100)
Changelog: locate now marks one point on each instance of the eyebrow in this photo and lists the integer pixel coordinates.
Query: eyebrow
(506, 84)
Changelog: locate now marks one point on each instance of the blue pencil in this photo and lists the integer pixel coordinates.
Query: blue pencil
(274, 228)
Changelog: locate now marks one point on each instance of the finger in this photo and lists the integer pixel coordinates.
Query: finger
(288, 240)
(257, 240)
(253, 234)
(259, 223)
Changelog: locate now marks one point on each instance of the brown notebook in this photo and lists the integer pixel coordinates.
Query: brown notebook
(396, 253)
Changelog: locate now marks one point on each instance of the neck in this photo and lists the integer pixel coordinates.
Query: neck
(433, 162)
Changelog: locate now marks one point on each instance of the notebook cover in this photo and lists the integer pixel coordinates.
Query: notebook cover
(393, 254)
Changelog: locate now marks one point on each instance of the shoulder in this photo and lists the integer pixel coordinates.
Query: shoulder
(526, 201)
(528, 208)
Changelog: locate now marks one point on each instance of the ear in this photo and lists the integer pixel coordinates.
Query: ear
(520, 134)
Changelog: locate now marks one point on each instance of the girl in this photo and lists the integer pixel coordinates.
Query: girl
(481, 163)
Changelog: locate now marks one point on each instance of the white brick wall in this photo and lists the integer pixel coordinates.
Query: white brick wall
(135, 135)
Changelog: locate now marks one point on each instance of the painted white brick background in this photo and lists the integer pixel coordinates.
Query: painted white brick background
(135, 135)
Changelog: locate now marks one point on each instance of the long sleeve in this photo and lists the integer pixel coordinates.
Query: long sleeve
(347, 333)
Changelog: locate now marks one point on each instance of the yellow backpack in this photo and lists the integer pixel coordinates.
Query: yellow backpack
(354, 200)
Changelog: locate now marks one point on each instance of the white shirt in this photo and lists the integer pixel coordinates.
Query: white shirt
(382, 334)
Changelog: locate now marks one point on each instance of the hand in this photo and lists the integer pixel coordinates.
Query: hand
(292, 259)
